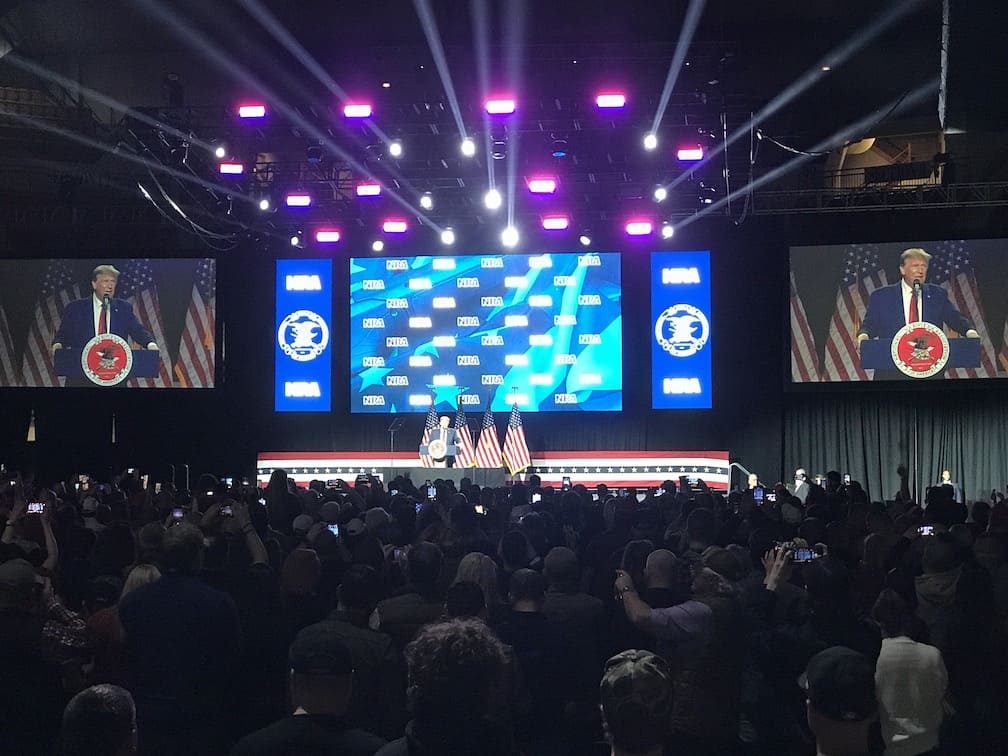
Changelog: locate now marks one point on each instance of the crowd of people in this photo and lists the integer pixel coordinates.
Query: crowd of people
(365, 617)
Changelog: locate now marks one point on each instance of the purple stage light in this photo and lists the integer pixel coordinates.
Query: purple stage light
(368, 189)
(638, 228)
(611, 100)
(556, 223)
(500, 106)
(357, 110)
(327, 236)
(298, 199)
(689, 154)
(252, 110)
(394, 227)
(231, 169)
(542, 185)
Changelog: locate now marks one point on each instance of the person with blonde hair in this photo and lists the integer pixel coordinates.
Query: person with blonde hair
(107, 629)
(482, 570)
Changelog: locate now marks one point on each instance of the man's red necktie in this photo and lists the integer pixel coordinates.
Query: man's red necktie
(103, 324)
(914, 316)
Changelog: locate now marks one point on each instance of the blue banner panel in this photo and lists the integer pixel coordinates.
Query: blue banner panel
(680, 330)
(303, 336)
(544, 331)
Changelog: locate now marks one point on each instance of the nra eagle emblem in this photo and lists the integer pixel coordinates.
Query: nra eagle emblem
(920, 350)
(682, 330)
(303, 335)
(106, 360)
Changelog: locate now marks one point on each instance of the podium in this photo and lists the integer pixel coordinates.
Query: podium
(876, 354)
(146, 364)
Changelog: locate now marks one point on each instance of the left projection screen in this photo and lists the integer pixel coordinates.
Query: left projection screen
(542, 330)
(108, 323)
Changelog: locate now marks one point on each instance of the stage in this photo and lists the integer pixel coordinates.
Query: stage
(616, 469)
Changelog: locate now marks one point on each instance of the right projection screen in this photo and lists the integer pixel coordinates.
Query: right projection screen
(902, 311)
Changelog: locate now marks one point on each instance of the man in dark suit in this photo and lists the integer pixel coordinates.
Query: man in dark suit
(450, 437)
(892, 307)
(83, 319)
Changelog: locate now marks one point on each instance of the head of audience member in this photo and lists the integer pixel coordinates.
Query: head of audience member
(560, 568)
(321, 672)
(895, 617)
(452, 667)
(299, 575)
(636, 694)
(635, 555)
(150, 541)
(839, 687)
(99, 721)
(515, 550)
(20, 586)
(527, 591)
(423, 566)
(138, 576)
(942, 553)
(828, 582)
(701, 530)
(359, 592)
(724, 563)
(182, 549)
(101, 593)
(480, 569)
(464, 600)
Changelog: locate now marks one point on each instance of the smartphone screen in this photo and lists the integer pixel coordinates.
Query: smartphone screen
(227, 511)
(334, 529)
(926, 530)
(228, 481)
(431, 492)
(536, 497)
(846, 479)
(157, 488)
(622, 492)
(480, 509)
(178, 513)
(803, 555)
(566, 482)
(771, 496)
(659, 492)
(419, 506)
(757, 494)
(35, 507)
(393, 491)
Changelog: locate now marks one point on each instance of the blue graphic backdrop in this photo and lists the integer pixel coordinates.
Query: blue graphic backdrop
(545, 329)
(302, 346)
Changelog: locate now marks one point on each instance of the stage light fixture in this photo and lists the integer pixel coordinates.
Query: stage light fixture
(298, 199)
(386, 85)
(555, 223)
(295, 240)
(368, 189)
(500, 106)
(468, 147)
(447, 237)
(650, 142)
(264, 204)
(492, 199)
(394, 227)
(667, 231)
(314, 154)
(395, 149)
(509, 236)
(327, 236)
(357, 110)
(426, 201)
(377, 245)
(542, 185)
(230, 168)
(252, 110)
(610, 100)
(559, 148)
(585, 240)
(498, 149)
(689, 154)
(220, 151)
(638, 228)
(660, 194)
(706, 194)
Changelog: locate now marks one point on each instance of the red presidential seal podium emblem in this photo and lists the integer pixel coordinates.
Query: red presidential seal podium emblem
(920, 350)
(106, 359)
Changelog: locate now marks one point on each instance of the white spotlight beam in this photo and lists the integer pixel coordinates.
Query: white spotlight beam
(693, 14)
(514, 55)
(429, 24)
(481, 44)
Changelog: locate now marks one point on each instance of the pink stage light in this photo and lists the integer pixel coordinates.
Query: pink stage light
(327, 236)
(638, 228)
(252, 110)
(689, 154)
(501, 106)
(298, 199)
(556, 223)
(611, 100)
(394, 227)
(542, 185)
(368, 189)
(357, 110)
(231, 169)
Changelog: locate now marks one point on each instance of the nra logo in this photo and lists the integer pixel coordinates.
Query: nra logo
(396, 303)
(396, 265)
(496, 340)
(589, 261)
(587, 339)
(397, 380)
(396, 341)
(564, 320)
(373, 362)
(467, 360)
(373, 284)
(304, 283)
(680, 276)
(469, 399)
(373, 323)
(492, 262)
(491, 301)
(373, 401)
(493, 380)
(302, 390)
(516, 321)
(564, 281)
(540, 262)
(564, 359)
(589, 300)
(565, 399)
(468, 282)
(681, 386)
(467, 321)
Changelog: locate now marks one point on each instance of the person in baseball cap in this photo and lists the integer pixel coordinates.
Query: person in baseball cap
(842, 711)
(636, 693)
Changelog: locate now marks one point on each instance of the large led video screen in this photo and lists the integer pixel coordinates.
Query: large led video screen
(904, 311)
(108, 322)
(542, 330)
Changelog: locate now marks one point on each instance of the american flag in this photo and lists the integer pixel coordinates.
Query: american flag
(8, 375)
(516, 451)
(804, 358)
(466, 456)
(136, 286)
(862, 275)
(194, 367)
(430, 424)
(488, 450)
(58, 288)
(952, 268)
